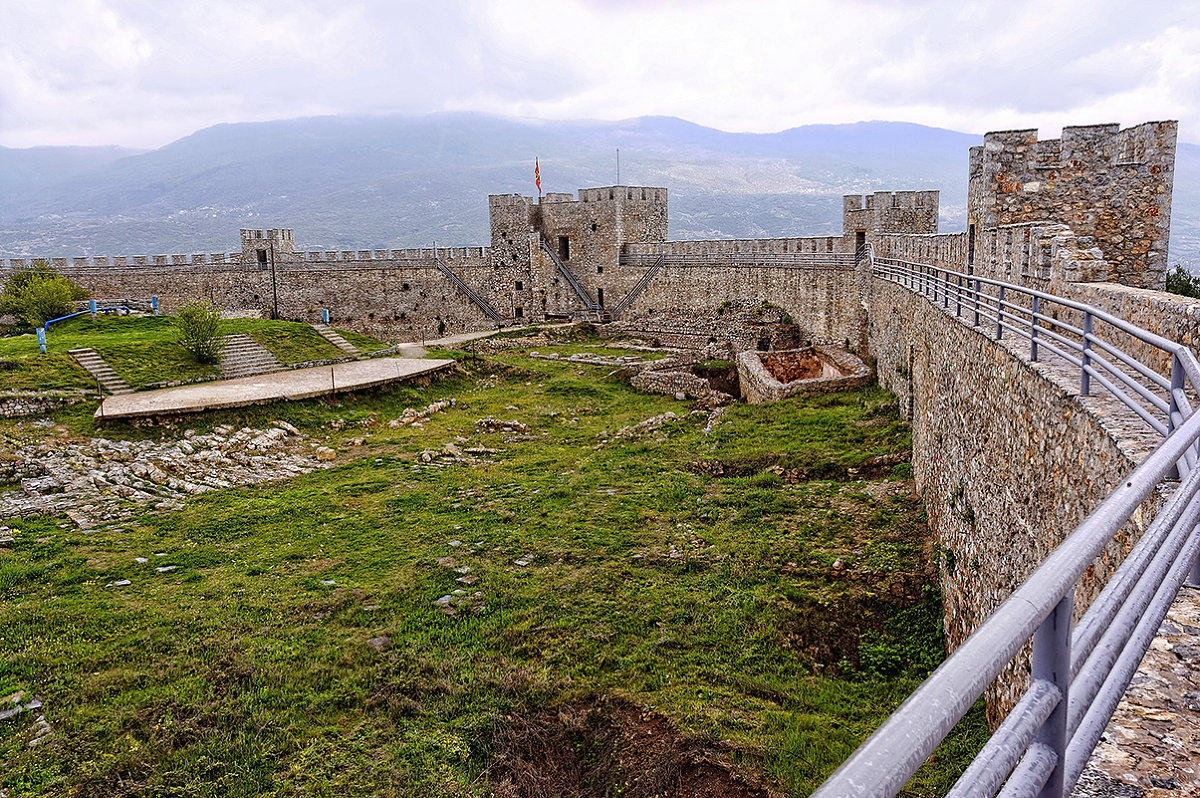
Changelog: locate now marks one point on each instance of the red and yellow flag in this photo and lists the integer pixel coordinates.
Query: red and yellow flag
(537, 176)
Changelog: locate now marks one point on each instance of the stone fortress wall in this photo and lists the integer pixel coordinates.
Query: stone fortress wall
(1007, 459)
(1112, 187)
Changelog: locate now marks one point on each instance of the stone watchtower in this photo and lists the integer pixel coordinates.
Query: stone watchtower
(865, 218)
(1112, 187)
(264, 248)
(582, 236)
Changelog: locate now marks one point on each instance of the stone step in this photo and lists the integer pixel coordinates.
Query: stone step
(91, 362)
(332, 336)
(242, 356)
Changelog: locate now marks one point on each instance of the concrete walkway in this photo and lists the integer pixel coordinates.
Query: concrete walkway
(417, 349)
(261, 388)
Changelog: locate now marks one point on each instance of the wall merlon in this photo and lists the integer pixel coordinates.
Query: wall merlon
(1111, 186)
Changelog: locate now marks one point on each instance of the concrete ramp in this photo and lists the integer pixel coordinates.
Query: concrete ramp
(262, 388)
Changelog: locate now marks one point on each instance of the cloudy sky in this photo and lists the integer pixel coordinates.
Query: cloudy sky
(141, 73)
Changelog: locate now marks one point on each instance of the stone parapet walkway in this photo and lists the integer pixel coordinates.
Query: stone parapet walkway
(1151, 747)
(297, 384)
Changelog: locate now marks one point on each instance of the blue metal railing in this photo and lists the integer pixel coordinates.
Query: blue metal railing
(93, 312)
(1079, 671)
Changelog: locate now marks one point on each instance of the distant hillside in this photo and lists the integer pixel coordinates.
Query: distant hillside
(394, 181)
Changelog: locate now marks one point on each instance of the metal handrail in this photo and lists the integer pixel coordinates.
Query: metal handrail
(482, 303)
(951, 288)
(812, 259)
(1080, 671)
(637, 289)
(588, 302)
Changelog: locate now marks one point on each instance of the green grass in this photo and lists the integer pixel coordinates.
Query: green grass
(705, 592)
(144, 350)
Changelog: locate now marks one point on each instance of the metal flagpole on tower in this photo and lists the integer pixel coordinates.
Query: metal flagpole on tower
(618, 166)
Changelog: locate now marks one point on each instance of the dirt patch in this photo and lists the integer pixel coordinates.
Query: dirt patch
(803, 364)
(605, 746)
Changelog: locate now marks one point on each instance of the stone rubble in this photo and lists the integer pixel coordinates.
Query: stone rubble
(14, 705)
(490, 424)
(95, 480)
(642, 429)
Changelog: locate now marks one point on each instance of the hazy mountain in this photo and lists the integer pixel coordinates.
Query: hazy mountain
(393, 181)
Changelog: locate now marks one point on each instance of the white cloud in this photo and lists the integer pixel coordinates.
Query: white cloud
(141, 72)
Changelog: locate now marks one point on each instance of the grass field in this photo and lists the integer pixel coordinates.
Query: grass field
(144, 350)
(768, 584)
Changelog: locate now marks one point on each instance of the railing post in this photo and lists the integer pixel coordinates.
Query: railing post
(945, 281)
(1085, 379)
(1177, 377)
(1173, 408)
(976, 324)
(1052, 663)
(958, 299)
(1033, 328)
(1000, 314)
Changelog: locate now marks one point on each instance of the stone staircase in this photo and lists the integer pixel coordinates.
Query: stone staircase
(95, 365)
(331, 335)
(243, 357)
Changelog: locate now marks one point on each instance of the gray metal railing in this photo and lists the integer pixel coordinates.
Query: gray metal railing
(482, 303)
(1079, 671)
(822, 260)
(579, 290)
(637, 289)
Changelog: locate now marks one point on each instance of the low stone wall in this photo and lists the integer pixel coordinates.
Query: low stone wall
(15, 405)
(716, 330)
(672, 376)
(772, 376)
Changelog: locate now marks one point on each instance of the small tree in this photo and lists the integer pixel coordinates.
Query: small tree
(199, 325)
(36, 293)
(1181, 281)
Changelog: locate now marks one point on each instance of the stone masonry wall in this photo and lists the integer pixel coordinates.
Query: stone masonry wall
(824, 302)
(1111, 186)
(586, 235)
(1007, 461)
(866, 218)
(393, 299)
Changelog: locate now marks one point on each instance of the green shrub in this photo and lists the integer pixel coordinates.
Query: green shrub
(36, 293)
(1181, 281)
(199, 325)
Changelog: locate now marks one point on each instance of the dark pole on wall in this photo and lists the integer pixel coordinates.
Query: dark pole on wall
(274, 286)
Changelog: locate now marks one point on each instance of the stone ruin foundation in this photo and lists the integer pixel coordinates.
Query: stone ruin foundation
(772, 376)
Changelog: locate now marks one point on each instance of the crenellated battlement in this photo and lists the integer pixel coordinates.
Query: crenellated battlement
(1110, 186)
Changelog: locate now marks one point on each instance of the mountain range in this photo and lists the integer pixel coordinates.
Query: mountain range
(376, 182)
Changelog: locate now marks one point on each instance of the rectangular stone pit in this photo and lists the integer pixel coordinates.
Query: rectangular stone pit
(772, 376)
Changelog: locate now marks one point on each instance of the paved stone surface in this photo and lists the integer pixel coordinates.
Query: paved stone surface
(415, 349)
(297, 384)
(1151, 746)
